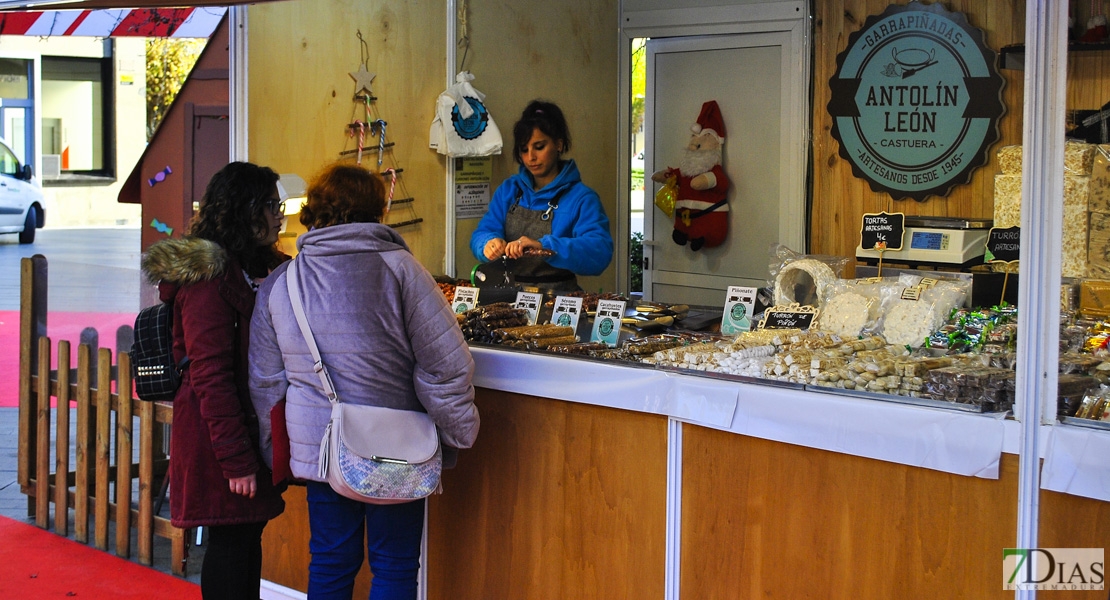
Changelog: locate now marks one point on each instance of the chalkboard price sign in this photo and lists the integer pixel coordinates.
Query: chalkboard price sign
(883, 231)
(793, 316)
(1003, 245)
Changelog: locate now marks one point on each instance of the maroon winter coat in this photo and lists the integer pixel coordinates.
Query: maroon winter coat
(215, 429)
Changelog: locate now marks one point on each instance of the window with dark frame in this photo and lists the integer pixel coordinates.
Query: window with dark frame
(77, 122)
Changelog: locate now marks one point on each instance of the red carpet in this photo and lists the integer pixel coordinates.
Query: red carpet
(36, 564)
(59, 326)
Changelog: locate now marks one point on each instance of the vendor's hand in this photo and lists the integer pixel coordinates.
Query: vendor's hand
(244, 486)
(516, 249)
(494, 249)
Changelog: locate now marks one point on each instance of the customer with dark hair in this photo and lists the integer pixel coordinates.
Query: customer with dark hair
(545, 206)
(388, 339)
(217, 476)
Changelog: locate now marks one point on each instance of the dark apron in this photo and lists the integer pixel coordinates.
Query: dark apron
(531, 271)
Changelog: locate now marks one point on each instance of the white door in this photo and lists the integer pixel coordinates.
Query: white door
(762, 96)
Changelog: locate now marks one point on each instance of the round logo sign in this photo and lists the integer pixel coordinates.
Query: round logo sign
(915, 101)
(474, 125)
(460, 308)
(564, 320)
(738, 311)
(605, 327)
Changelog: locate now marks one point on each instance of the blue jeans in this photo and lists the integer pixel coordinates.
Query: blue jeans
(337, 524)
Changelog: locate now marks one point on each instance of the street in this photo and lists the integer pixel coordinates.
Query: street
(91, 270)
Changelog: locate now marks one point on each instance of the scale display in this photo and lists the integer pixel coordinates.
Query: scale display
(933, 246)
(929, 240)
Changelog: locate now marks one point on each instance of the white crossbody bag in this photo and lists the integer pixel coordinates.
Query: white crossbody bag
(371, 453)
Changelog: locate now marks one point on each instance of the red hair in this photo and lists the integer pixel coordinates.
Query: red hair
(341, 194)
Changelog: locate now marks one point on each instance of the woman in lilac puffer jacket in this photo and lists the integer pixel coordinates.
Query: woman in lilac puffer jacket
(389, 339)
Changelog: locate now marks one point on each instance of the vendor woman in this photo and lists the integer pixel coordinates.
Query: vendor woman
(543, 209)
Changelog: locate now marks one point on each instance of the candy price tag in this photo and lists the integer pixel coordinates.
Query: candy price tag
(465, 299)
(566, 312)
(739, 305)
(607, 323)
(883, 231)
(912, 293)
(793, 316)
(1003, 245)
(530, 302)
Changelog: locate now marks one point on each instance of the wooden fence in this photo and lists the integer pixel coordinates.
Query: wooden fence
(86, 487)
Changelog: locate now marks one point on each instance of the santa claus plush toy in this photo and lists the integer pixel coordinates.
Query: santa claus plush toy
(701, 205)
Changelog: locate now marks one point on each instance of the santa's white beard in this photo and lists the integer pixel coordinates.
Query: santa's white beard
(696, 162)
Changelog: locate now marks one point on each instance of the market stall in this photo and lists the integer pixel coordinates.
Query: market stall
(752, 464)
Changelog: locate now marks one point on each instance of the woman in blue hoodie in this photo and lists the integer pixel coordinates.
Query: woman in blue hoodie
(545, 206)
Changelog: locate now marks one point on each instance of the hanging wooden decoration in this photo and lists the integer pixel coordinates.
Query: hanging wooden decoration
(373, 125)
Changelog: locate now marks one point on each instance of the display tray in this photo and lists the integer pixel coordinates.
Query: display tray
(929, 402)
(1088, 423)
(729, 377)
(609, 361)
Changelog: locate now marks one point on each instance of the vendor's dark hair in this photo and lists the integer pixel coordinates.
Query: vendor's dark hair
(341, 194)
(235, 205)
(544, 116)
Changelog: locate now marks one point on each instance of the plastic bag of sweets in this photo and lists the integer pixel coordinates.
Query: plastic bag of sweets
(850, 307)
(910, 317)
(801, 278)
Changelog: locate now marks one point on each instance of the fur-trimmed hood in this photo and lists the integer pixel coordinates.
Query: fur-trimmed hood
(184, 261)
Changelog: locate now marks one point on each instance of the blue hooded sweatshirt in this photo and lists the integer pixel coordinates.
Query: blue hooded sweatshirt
(579, 227)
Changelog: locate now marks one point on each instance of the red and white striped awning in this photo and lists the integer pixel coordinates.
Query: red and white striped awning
(197, 22)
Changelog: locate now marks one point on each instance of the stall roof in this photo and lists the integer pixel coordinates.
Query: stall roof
(95, 4)
(193, 22)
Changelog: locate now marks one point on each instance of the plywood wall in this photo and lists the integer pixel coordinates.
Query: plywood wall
(301, 96)
(839, 198)
(300, 92)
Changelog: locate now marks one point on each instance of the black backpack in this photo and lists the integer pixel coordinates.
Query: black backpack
(156, 375)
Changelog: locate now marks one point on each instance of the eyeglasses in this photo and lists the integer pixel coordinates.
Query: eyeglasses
(277, 207)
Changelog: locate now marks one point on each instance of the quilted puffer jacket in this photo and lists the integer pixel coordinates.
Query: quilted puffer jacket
(215, 433)
(383, 328)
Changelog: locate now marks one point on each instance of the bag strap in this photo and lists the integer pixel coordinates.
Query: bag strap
(298, 310)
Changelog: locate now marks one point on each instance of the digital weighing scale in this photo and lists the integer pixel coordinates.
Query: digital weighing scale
(936, 241)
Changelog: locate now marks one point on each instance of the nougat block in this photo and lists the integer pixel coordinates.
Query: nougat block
(1009, 160)
(1074, 254)
(1007, 200)
(1078, 158)
(1100, 180)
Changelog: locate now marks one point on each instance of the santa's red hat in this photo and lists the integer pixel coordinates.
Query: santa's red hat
(710, 119)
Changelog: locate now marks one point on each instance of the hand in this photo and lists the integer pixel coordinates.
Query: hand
(494, 249)
(516, 249)
(244, 486)
(662, 175)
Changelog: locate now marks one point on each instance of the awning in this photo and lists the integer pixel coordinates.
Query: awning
(94, 4)
(197, 22)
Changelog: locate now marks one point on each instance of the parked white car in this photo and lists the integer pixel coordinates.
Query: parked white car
(20, 197)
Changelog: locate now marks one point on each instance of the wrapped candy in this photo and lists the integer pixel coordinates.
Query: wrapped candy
(666, 195)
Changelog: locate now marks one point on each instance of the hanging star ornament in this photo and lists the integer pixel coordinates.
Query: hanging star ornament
(362, 79)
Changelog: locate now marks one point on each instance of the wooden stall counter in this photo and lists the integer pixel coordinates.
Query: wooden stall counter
(596, 480)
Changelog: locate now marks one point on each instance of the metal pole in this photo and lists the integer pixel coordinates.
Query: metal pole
(449, 224)
(1040, 257)
(237, 82)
